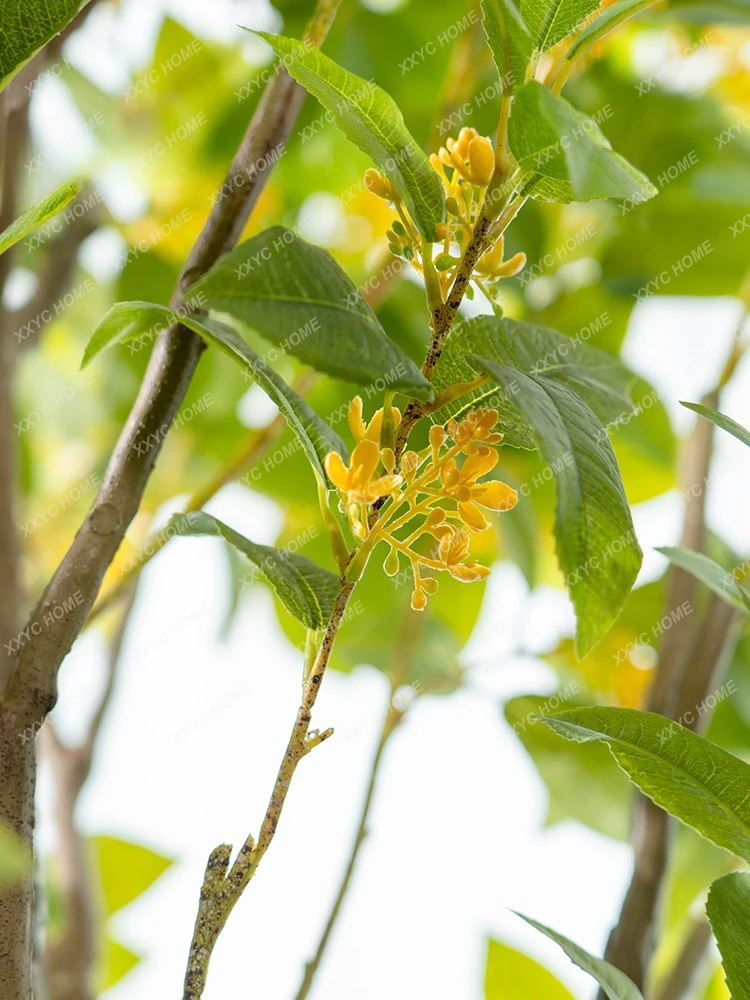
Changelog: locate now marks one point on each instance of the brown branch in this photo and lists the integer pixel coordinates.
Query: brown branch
(68, 962)
(688, 661)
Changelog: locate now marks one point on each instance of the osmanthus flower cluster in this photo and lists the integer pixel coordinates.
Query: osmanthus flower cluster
(436, 495)
(466, 168)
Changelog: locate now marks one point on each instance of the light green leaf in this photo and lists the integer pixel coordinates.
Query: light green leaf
(609, 18)
(296, 295)
(552, 20)
(127, 321)
(615, 984)
(715, 577)
(509, 40)
(116, 961)
(15, 858)
(372, 120)
(511, 975)
(26, 26)
(38, 214)
(701, 784)
(721, 420)
(126, 870)
(595, 539)
(566, 154)
(596, 376)
(313, 433)
(728, 909)
(305, 589)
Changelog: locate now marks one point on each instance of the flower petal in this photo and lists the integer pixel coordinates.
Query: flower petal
(336, 470)
(473, 517)
(479, 463)
(365, 458)
(495, 495)
(354, 417)
(382, 487)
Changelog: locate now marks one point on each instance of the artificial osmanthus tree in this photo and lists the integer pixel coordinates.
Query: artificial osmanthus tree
(412, 490)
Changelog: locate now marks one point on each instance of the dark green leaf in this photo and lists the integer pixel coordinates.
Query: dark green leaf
(510, 41)
(552, 20)
(306, 590)
(296, 295)
(715, 577)
(728, 909)
(567, 153)
(721, 420)
(27, 25)
(127, 321)
(696, 781)
(313, 433)
(596, 545)
(615, 984)
(38, 214)
(372, 120)
(596, 376)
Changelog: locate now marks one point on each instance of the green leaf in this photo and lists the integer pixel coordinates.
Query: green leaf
(728, 909)
(126, 870)
(313, 433)
(27, 25)
(38, 214)
(721, 420)
(511, 975)
(552, 20)
(116, 961)
(127, 321)
(296, 295)
(596, 545)
(596, 376)
(305, 589)
(615, 984)
(566, 152)
(609, 18)
(372, 120)
(15, 858)
(509, 40)
(701, 784)
(582, 782)
(715, 577)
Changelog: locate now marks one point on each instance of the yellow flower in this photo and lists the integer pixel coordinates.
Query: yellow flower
(460, 484)
(452, 550)
(476, 426)
(372, 431)
(356, 480)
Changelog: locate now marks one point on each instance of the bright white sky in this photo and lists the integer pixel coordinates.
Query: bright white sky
(455, 836)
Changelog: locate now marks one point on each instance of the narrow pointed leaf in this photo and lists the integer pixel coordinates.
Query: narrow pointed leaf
(305, 589)
(313, 433)
(38, 214)
(126, 870)
(595, 539)
(371, 119)
(567, 153)
(609, 18)
(510, 41)
(701, 784)
(721, 420)
(615, 984)
(550, 21)
(728, 909)
(715, 577)
(26, 26)
(297, 296)
(127, 321)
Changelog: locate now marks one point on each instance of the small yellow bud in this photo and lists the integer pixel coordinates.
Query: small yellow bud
(419, 600)
(409, 465)
(390, 566)
(388, 459)
(430, 585)
(377, 184)
(443, 230)
(482, 160)
(435, 517)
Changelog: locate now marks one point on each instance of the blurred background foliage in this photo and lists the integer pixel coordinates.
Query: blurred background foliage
(695, 57)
